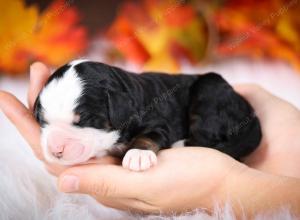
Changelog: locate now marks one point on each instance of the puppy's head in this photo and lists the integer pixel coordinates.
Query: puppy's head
(74, 113)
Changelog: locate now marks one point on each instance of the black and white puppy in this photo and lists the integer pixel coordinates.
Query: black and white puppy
(90, 109)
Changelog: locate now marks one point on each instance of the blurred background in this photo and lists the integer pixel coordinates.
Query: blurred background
(160, 35)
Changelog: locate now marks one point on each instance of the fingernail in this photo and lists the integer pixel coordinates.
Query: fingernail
(69, 183)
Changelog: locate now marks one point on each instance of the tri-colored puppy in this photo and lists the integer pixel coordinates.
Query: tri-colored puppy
(90, 109)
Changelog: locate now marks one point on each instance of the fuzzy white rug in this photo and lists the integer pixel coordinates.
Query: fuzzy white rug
(28, 192)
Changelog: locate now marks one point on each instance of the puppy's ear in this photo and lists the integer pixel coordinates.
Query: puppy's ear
(38, 112)
(120, 109)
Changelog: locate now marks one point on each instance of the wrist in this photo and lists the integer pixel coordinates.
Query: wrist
(251, 192)
(225, 185)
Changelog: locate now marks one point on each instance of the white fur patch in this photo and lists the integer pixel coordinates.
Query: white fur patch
(97, 140)
(179, 143)
(139, 160)
(59, 97)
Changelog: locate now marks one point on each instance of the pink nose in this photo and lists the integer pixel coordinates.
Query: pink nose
(56, 144)
(64, 147)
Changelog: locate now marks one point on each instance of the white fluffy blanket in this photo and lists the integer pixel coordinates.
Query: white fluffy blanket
(27, 191)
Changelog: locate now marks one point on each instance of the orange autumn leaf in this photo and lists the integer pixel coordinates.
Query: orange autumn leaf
(265, 29)
(157, 34)
(26, 34)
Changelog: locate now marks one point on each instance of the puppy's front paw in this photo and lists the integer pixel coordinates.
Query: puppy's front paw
(139, 160)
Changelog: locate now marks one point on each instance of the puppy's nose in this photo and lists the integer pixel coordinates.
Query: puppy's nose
(56, 145)
(67, 151)
(58, 155)
(64, 147)
(57, 149)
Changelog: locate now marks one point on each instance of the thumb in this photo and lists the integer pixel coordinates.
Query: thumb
(98, 180)
(39, 74)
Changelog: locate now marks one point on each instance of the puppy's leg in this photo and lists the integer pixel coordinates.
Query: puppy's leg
(141, 156)
(143, 150)
(221, 119)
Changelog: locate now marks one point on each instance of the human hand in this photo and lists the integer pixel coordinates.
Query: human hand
(183, 179)
(23, 119)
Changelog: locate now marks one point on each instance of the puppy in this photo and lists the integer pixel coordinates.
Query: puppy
(90, 109)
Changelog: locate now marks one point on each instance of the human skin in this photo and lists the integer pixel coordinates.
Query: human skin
(190, 177)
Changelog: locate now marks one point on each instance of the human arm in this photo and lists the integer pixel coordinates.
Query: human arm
(252, 192)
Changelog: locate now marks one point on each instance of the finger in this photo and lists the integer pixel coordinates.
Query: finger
(56, 169)
(111, 185)
(107, 181)
(39, 74)
(23, 120)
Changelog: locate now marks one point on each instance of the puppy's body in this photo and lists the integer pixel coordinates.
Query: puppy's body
(145, 112)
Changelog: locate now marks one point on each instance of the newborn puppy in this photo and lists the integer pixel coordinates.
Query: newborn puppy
(90, 109)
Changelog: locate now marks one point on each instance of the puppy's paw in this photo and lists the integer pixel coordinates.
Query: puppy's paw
(139, 160)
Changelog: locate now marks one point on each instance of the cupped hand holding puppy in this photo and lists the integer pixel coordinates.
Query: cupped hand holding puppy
(108, 181)
(184, 178)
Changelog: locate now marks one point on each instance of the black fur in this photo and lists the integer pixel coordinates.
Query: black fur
(203, 109)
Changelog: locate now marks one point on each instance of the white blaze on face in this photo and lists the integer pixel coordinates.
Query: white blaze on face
(62, 142)
(59, 97)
